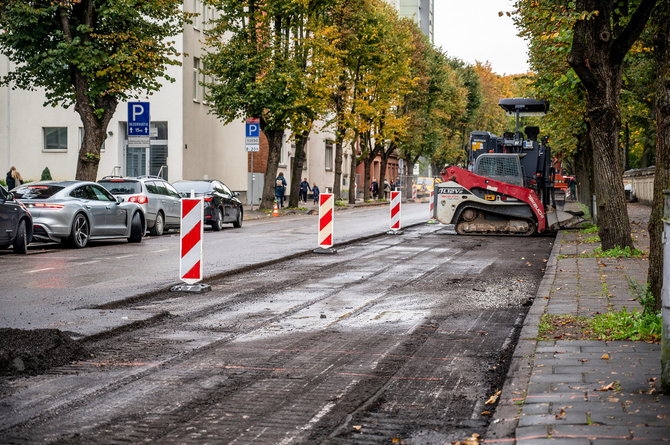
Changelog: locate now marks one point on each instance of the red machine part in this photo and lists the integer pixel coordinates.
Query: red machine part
(469, 180)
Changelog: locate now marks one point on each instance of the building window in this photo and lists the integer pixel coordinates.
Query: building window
(196, 79)
(81, 139)
(329, 155)
(55, 138)
(198, 7)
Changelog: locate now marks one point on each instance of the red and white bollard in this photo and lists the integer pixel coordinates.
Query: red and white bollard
(395, 213)
(190, 246)
(326, 210)
(431, 208)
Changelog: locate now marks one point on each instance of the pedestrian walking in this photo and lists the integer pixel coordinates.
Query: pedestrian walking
(280, 189)
(374, 188)
(316, 192)
(304, 188)
(387, 188)
(572, 187)
(13, 178)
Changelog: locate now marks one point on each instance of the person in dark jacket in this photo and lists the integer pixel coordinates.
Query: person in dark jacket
(304, 188)
(280, 189)
(316, 192)
(13, 178)
(374, 188)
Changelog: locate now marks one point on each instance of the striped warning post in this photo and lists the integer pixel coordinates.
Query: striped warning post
(431, 206)
(190, 249)
(395, 210)
(326, 203)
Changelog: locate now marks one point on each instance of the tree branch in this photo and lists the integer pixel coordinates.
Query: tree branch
(632, 31)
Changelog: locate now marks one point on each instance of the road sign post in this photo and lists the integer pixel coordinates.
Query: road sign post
(252, 142)
(395, 214)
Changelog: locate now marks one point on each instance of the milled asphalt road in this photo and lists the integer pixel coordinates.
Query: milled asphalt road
(59, 288)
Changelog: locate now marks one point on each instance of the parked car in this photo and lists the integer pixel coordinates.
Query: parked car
(160, 202)
(221, 204)
(16, 223)
(75, 212)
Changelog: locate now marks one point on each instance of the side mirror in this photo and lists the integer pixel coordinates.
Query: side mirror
(236, 194)
(119, 199)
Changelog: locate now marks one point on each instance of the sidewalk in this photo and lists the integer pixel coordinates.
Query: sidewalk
(577, 391)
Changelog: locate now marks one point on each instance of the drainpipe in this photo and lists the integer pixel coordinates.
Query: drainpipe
(665, 298)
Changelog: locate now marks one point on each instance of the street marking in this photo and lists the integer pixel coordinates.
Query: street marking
(90, 262)
(124, 256)
(40, 270)
(161, 250)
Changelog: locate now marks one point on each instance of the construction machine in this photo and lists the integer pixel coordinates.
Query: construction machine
(507, 188)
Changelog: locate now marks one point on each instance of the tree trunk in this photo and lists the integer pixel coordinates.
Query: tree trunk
(583, 159)
(95, 128)
(662, 175)
(339, 137)
(367, 163)
(275, 139)
(386, 154)
(600, 43)
(613, 223)
(353, 183)
(298, 163)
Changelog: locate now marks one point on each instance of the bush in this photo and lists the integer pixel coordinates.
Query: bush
(46, 175)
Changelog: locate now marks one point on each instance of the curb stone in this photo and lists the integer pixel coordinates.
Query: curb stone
(506, 417)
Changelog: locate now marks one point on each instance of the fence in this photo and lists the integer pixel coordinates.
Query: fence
(639, 184)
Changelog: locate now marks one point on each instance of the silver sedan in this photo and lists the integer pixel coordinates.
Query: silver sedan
(75, 212)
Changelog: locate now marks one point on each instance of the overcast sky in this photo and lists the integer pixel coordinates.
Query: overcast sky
(471, 30)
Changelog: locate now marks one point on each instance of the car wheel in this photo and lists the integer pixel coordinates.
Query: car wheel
(136, 229)
(218, 221)
(80, 232)
(21, 240)
(238, 222)
(159, 226)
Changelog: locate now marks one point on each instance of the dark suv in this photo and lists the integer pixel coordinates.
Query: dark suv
(221, 204)
(16, 223)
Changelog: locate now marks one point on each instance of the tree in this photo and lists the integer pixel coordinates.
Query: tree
(603, 35)
(662, 175)
(90, 54)
(249, 64)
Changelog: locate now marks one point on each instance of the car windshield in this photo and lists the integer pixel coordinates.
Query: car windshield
(196, 186)
(36, 191)
(121, 186)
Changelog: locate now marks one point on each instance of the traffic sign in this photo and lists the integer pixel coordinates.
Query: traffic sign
(252, 134)
(138, 119)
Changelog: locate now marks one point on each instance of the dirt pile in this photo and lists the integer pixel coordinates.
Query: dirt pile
(32, 352)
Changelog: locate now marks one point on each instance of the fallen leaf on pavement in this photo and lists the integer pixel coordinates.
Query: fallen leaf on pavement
(493, 398)
(608, 387)
(472, 440)
(605, 356)
(583, 360)
(396, 440)
(561, 415)
(485, 413)
(357, 427)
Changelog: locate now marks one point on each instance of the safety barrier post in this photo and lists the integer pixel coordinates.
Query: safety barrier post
(190, 246)
(326, 210)
(396, 198)
(431, 208)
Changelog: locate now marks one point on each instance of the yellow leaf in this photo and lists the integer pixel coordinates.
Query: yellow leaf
(493, 398)
(357, 427)
(605, 356)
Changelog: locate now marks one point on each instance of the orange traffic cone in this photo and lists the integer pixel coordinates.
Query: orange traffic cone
(275, 211)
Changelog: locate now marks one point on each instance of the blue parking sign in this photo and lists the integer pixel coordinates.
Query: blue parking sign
(138, 118)
(253, 129)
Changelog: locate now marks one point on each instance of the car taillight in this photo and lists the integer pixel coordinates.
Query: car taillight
(140, 199)
(44, 205)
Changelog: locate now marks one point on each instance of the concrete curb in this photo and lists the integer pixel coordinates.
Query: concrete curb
(506, 418)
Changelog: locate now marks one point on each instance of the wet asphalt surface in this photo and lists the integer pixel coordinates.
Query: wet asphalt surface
(398, 339)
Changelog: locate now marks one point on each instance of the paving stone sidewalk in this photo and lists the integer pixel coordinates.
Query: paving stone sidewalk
(584, 391)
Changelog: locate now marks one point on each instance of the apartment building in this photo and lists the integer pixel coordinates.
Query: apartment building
(186, 141)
